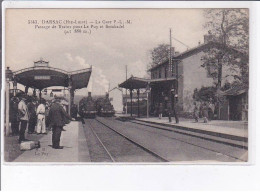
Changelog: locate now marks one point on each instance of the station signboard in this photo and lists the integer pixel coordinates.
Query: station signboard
(42, 77)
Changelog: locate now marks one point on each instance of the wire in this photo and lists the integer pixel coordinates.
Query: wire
(181, 42)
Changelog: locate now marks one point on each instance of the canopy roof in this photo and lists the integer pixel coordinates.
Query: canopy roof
(138, 83)
(41, 77)
(134, 83)
(236, 90)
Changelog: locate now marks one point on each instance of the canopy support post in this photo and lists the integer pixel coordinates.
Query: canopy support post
(71, 99)
(131, 96)
(70, 94)
(138, 110)
(147, 96)
(15, 87)
(7, 101)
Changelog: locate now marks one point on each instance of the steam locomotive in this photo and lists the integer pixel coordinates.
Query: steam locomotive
(104, 107)
(87, 107)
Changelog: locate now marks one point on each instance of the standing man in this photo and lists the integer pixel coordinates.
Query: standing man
(41, 127)
(196, 112)
(14, 115)
(32, 116)
(57, 115)
(23, 116)
(47, 110)
(211, 109)
(172, 109)
(175, 111)
(205, 114)
(74, 111)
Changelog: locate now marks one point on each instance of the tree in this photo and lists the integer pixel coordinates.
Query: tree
(205, 94)
(229, 28)
(159, 54)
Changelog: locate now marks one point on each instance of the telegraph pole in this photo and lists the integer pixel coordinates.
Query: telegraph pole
(170, 57)
(126, 89)
(171, 69)
(174, 88)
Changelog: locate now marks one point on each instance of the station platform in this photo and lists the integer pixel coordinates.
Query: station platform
(74, 150)
(237, 130)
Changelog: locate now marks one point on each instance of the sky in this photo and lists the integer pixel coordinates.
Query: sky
(107, 50)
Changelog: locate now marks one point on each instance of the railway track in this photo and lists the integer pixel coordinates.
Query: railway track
(234, 143)
(117, 145)
(161, 132)
(104, 147)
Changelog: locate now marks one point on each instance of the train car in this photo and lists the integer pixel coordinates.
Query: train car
(104, 107)
(87, 107)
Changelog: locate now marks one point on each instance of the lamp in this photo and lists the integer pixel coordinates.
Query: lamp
(8, 74)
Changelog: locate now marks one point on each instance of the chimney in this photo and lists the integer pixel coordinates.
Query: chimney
(208, 37)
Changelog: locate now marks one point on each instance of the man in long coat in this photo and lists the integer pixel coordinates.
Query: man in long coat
(57, 116)
(32, 116)
(24, 117)
(14, 115)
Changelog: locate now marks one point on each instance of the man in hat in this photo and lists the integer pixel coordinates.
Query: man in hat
(23, 116)
(57, 114)
(32, 116)
(14, 115)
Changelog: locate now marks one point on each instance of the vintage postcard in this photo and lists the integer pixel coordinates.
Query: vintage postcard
(142, 86)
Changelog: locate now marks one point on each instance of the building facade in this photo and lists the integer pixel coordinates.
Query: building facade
(185, 74)
(174, 82)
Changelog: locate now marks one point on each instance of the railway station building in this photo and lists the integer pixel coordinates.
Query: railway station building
(177, 82)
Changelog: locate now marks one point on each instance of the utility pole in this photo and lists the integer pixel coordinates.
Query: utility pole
(174, 88)
(171, 70)
(170, 55)
(126, 89)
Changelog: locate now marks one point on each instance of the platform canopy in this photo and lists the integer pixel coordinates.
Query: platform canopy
(134, 83)
(138, 83)
(41, 76)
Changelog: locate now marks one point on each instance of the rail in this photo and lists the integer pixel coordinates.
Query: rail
(91, 128)
(135, 143)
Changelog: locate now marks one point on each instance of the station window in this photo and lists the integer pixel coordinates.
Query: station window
(160, 73)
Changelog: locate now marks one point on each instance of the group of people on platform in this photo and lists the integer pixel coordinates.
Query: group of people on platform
(202, 109)
(39, 116)
(170, 110)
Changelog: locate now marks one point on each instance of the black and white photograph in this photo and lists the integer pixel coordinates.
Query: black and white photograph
(126, 86)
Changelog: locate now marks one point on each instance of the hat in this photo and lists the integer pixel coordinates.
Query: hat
(15, 99)
(56, 99)
(21, 95)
